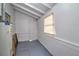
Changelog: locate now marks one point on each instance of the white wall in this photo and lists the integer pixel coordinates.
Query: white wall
(25, 27)
(0, 8)
(66, 21)
(9, 9)
(0, 38)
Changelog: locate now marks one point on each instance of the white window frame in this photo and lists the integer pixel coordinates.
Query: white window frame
(53, 24)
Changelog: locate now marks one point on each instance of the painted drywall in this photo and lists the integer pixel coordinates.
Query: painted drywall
(66, 21)
(0, 8)
(9, 9)
(0, 38)
(0, 32)
(25, 27)
(5, 34)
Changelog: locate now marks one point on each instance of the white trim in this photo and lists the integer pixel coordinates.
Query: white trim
(46, 5)
(27, 10)
(66, 41)
(48, 12)
(24, 12)
(34, 8)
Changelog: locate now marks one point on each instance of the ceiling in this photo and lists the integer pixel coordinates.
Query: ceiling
(35, 10)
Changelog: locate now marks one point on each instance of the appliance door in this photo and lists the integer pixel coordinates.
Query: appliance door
(5, 39)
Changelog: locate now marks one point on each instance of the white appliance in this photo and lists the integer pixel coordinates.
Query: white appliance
(5, 39)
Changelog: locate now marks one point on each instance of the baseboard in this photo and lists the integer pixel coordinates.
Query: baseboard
(26, 40)
(45, 48)
(67, 42)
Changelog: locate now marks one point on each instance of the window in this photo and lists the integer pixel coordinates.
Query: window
(49, 26)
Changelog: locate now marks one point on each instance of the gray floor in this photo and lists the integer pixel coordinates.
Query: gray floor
(33, 48)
